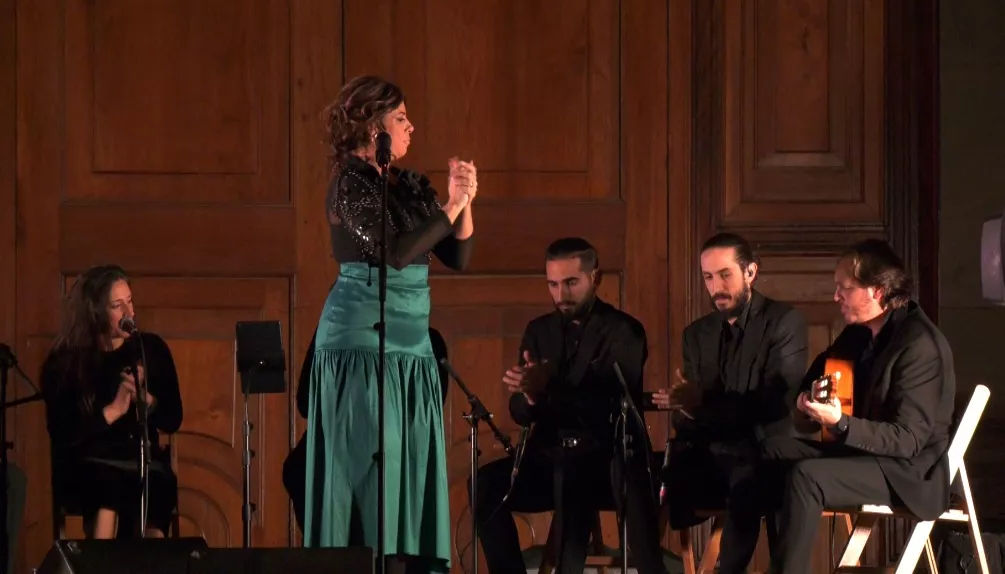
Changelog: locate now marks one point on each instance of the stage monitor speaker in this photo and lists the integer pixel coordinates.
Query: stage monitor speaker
(143, 556)
(992, 274)
(356, 560)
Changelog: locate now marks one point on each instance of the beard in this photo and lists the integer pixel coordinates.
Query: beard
(571, 309)
(738, 302)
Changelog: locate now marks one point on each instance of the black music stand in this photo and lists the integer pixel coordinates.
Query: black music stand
(8, 362)
(261, 362)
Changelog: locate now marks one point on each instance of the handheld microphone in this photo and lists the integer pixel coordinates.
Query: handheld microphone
(383, 143)
(128, 325)
(521, 447)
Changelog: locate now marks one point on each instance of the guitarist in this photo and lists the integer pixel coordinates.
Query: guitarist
(743, 364)
(566, 386)
(891, 449)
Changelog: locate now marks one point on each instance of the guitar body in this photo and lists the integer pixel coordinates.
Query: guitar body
(838, 382)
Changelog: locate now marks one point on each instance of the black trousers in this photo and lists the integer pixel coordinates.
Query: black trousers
(720, 475)
(575, 488)
(809, 476)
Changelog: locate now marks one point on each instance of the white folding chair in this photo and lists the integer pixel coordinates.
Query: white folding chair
(868, 515)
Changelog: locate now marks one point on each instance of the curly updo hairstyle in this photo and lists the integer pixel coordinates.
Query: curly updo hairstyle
(357, 114)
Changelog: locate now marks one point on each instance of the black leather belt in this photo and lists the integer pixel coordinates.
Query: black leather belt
(570, 442)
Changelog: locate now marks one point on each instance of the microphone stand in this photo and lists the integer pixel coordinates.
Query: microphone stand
(383, 156)
(623, 495)
(477, 414)
(627, 406)
(142, 416)
(8, 361)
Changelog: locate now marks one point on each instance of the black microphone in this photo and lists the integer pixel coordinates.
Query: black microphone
(663, 472)
(521, 447)
(383, 142)
(128, 325)
(7, 358)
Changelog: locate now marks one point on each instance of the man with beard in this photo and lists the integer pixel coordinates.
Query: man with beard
(565, 385)
(891, 450)
(743, 364)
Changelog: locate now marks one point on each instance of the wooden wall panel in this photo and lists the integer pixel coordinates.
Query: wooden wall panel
(8, 173)
(8, 208)
(802, 90)
(177, 101)
(799, 130)
(159, 157)
(196, 158)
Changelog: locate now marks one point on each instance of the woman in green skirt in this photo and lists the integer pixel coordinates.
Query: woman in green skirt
(342, 434)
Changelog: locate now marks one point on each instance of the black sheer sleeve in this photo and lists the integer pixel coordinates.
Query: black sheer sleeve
(68, 422)
(454, 253)
(355, 208)
(162, 377)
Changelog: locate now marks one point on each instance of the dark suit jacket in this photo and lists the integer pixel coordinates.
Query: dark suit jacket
(908, 411)
(591, 391)
(772, 362)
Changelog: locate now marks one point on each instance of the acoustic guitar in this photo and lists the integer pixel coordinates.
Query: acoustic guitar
(838, 382)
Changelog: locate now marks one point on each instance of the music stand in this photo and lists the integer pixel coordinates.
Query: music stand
(261, 363)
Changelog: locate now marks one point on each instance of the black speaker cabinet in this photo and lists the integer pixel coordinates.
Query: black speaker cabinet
(146, 556)
(283, 561)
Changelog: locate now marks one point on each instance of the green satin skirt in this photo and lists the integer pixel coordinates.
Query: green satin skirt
(341, 489)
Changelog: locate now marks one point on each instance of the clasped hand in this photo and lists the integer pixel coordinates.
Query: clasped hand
(531, 378)
(682, 395)
(827, 414)
(462, 185)
(126, 394)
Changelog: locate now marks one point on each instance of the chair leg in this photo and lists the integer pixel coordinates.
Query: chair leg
(849, 524)
(976, 541)
(548, 560)
(687, 551)
(711, 554)
(909, 559)
(853, 549)
(933, 565)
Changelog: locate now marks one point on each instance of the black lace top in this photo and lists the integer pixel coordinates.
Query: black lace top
(416, 224)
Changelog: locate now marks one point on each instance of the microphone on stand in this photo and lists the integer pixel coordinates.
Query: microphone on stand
(383, 156)
(128, 325)
(383, 143)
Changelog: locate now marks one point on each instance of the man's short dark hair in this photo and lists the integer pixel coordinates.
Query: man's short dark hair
(875, 264)
(741, 248)
(574, 248)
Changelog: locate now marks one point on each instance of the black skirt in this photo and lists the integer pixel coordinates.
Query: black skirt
(116, 486)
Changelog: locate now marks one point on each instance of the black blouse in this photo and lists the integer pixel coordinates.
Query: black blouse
(78, 433)
(416, 224)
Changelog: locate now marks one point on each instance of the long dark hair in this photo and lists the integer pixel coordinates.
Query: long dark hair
(84, 331)
(357, 114)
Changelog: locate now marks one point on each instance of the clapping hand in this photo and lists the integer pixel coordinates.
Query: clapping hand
(682, 394)
(531, 378)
